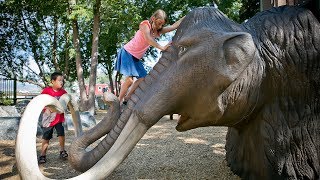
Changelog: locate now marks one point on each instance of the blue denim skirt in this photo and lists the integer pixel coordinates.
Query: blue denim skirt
(128, 65)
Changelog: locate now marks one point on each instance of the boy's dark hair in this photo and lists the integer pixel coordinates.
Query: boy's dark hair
(55, 75)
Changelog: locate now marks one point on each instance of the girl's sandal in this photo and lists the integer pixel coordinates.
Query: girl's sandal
(42, 159)
(125, 100)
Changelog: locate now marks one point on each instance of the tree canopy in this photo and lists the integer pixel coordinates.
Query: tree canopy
(39, 33)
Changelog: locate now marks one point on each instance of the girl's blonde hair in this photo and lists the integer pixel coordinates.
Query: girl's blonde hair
(160, 14)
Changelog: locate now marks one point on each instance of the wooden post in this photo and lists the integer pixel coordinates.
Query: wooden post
(267, 4)
(14, 90)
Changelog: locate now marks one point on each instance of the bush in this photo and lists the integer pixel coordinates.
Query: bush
(5, 100)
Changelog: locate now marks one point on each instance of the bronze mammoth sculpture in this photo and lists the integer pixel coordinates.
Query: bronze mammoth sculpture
(261, 79)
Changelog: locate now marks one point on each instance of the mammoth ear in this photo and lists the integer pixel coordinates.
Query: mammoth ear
(241, 96)
(239, 50)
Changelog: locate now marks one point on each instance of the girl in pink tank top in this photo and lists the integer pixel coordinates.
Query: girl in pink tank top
(128, 60)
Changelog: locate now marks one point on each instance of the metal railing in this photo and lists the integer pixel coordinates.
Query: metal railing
(8, 91)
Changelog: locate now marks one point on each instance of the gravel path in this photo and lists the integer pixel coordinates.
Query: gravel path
(162, 153)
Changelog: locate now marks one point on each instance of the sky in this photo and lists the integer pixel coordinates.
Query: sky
(163, 41)
(33, 65)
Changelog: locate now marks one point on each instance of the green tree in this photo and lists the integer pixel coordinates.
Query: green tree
(32, 30)
(61, 35)
(87, 99)
(120, 21)
(248, 9)
(41, 32)
(118, 24)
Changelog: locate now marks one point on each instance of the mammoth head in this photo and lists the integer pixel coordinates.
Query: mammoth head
(208, 76)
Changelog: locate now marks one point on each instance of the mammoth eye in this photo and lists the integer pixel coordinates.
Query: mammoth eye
(182, 49)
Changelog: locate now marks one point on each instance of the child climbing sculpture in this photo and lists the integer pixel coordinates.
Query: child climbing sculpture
(128, 61)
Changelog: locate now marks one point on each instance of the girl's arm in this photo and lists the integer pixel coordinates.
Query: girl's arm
(171, 27)
(147, 35)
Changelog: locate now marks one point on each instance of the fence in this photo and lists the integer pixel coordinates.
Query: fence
(8, 91)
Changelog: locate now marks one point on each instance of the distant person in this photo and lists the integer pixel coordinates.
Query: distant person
(128, 61)
(52, 120)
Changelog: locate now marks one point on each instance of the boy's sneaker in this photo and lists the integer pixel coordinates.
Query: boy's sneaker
(63, 154)
(42, 159)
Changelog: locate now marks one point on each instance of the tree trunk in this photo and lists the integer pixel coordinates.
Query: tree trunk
(94, 58)
(54, 44)
(76, 44)
(111, 83)
(87, 101)
(66, 58)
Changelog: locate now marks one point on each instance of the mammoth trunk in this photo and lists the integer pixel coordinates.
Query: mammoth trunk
(81, 159)
(113, 124)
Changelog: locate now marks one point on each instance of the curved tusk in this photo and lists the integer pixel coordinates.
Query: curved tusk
(64, 100)
(76, 120)
(128, 138)
(26, 151)
(67, 100)
(26, 156)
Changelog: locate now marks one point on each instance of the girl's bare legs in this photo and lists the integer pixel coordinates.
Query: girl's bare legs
(124, 87)
(133, 88)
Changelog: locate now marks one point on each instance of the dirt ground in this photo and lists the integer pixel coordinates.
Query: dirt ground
(162, 153)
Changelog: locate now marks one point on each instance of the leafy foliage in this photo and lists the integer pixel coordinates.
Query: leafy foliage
(248, 9)
(27, 35)
(40, 31)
